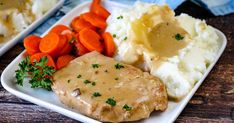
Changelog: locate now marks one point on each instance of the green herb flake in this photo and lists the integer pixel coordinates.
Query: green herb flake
(116, 78)
(120, 17)
(79, 76)
(127, 108)
(125, 38)
(96, 94)
(179, 37)
(72, 40)
(111, 101)
(93, 83)
(87, 82)
(114, 36)
(95, 65)
(68, 81)
(119, 66)
(106, 71)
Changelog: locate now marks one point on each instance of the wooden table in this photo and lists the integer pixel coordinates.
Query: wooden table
(213, 102)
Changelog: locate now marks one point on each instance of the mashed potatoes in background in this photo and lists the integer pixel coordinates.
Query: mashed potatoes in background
(179, 72)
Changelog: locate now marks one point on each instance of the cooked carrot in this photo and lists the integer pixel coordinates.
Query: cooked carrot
(101, 11)
(80, 49)
(59, 28)
(69, 35)
(63, 61)
(31, 44)
(109, 44)
(79, 24)
(94, 20)
(90, 39)
(94, 3)
(38, 56)
(50, 44)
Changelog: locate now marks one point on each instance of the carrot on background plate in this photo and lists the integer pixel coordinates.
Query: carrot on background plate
(90, 40)
(51, 44)
(64, 60)
(109, 44)
(31, 44)
(80, 49)
(79, 23)
(59, 28)
(69, 35)
(38, 56)
(94, 3)
(94, 19)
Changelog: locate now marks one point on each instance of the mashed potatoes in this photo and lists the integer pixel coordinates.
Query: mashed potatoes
(178, 50)
(16, 15)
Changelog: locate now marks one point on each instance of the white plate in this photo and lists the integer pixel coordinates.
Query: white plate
(9, 44)
(50, 101)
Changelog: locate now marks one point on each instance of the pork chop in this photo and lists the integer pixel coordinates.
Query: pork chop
(107, 90)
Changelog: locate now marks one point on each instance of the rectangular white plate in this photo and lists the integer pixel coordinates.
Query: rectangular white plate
(9, 44)
(50, 101)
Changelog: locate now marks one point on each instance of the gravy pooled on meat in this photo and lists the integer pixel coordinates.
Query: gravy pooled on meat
(107, 90)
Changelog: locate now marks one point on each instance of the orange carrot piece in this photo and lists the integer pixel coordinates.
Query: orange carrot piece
(90, 40)
(94, 3)
(80, 49)
(59, 28)
(50, 44)
(69, 35)
(31, 44)
(79, 24)
(38, 56)
(101, 11)
(94, 19)
(63, 61)
(109, 44)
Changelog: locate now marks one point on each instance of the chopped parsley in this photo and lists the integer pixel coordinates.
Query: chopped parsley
(93, 83)
(87, 82)
(68, 81)
(72, 40)
(127, 108)
(79, 76)
(106, 71)
(95, 65)
(96, 94)
(40, 74)
(1, 3)
(119, 66)
(111, 101)
(114, 35)
(120, 17)
(125, 38)
(179, 37)
(116, 78)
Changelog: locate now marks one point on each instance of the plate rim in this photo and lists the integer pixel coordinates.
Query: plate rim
(84, 118)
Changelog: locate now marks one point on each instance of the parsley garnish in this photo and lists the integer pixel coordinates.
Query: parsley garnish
(120, 17)
(125, 38)
(79, 76)
(68, 81)
(95, 65)
(96, 94)
(40, 74)
(87, 82)
(127, 108)
(93, 83)
(111, 101)
(116, 78)
(119, 66)
(114, 35)
(106, 71)
(72, 40)
(179, 37)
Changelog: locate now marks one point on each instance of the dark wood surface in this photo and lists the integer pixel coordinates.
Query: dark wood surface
(213, 102)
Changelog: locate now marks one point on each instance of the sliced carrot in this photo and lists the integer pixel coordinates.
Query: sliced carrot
(94, 19)
(94, 3)
(31, 44)
(59, 28)
(90, 39)
(80, 49)
(109, 44)
(101, 11)
(38, 56)
(50, 44)
(63, 61)
(79, 24)
(69, 35)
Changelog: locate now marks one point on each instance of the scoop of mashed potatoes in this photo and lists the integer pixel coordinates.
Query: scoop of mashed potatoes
(178, 49)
